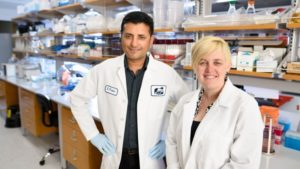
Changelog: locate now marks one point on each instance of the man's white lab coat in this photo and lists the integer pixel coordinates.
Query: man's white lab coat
(161, 85)
(229, 136)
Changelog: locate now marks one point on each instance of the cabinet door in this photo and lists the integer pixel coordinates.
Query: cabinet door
(74, 137)
(77, 158)
(8, 95)
(76, 149)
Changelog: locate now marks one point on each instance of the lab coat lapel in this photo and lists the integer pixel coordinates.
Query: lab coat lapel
(208, 123)
(201, 131)
(188, 116)
(121, 74)
(145, 92)
(212, 115)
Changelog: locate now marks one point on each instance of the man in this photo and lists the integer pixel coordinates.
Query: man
(133, 92)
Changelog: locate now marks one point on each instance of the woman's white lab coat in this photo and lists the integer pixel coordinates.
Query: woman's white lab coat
(229, 136)
(161, 85)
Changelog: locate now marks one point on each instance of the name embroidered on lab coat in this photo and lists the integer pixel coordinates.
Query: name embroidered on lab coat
(111, 90)
(158, 90)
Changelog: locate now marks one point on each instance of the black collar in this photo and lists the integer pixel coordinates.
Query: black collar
(144, 66)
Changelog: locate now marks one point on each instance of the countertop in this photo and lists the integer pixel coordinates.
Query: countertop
(50, 88)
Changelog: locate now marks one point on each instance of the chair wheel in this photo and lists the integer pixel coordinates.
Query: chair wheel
(51, 150)
(42, 162)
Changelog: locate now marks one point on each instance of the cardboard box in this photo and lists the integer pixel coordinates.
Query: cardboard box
(293, 67)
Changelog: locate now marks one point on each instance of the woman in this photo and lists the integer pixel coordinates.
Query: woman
(218, 126)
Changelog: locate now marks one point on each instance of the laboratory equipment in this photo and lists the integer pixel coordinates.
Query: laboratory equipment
(268, 136)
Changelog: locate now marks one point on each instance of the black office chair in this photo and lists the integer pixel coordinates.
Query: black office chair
(49, 119)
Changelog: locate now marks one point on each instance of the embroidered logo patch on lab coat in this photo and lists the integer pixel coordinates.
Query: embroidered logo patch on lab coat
(111, 90)
(158, 90)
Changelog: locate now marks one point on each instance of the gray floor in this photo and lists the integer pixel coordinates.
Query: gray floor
(24, 152)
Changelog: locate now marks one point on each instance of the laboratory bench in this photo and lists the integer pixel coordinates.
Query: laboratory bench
(80, 153)
(74, 148)
(282, 158)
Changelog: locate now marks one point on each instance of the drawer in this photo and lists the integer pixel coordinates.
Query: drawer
(29, 125)
(27, 97)
(75, 157)
(75, 138)
(68, 118)
(26, 113)
(26, 122)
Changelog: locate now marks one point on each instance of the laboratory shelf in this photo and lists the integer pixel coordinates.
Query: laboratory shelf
(289, 76)
(163, 30)
(232, 28)
(107, 3)
(253, 74)
(49, 14)
(103, 32)
(293, 25)
(249, 38)
(29, 17)
(71, 9)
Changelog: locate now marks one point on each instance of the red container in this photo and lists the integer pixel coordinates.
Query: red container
(278, 131)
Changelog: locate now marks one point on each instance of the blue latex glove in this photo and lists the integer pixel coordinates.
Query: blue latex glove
(158, 151)
(103, 144)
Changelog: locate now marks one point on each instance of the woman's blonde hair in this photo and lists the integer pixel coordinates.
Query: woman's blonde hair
(207, 45)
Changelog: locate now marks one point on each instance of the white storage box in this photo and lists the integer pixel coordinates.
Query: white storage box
(9, 69)
(266, 66)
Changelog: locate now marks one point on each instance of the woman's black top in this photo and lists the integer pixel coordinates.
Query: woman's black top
(193, 130)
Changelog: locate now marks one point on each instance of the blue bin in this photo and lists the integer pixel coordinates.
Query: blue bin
(292, 140)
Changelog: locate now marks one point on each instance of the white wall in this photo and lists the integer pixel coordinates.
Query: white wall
(7, 14)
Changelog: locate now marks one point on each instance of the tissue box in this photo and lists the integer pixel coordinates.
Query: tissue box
(266, 66)
(292, 140)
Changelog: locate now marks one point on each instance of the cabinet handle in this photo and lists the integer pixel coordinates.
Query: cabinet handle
(74, 136)
(74, 155)
(72, 120)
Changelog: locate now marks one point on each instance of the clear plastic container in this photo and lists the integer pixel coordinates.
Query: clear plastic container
(175, 13)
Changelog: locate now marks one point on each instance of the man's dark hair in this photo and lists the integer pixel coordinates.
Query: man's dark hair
(138, 17)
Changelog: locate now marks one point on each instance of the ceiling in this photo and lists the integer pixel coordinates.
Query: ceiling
(12, 3)
(8, 8)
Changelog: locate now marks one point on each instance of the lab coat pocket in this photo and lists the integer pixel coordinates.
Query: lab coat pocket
(161, 103)
(216, 144)
(219, 140)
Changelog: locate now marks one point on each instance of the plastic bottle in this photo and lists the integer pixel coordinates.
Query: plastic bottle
(231, 9)
(250, 7)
